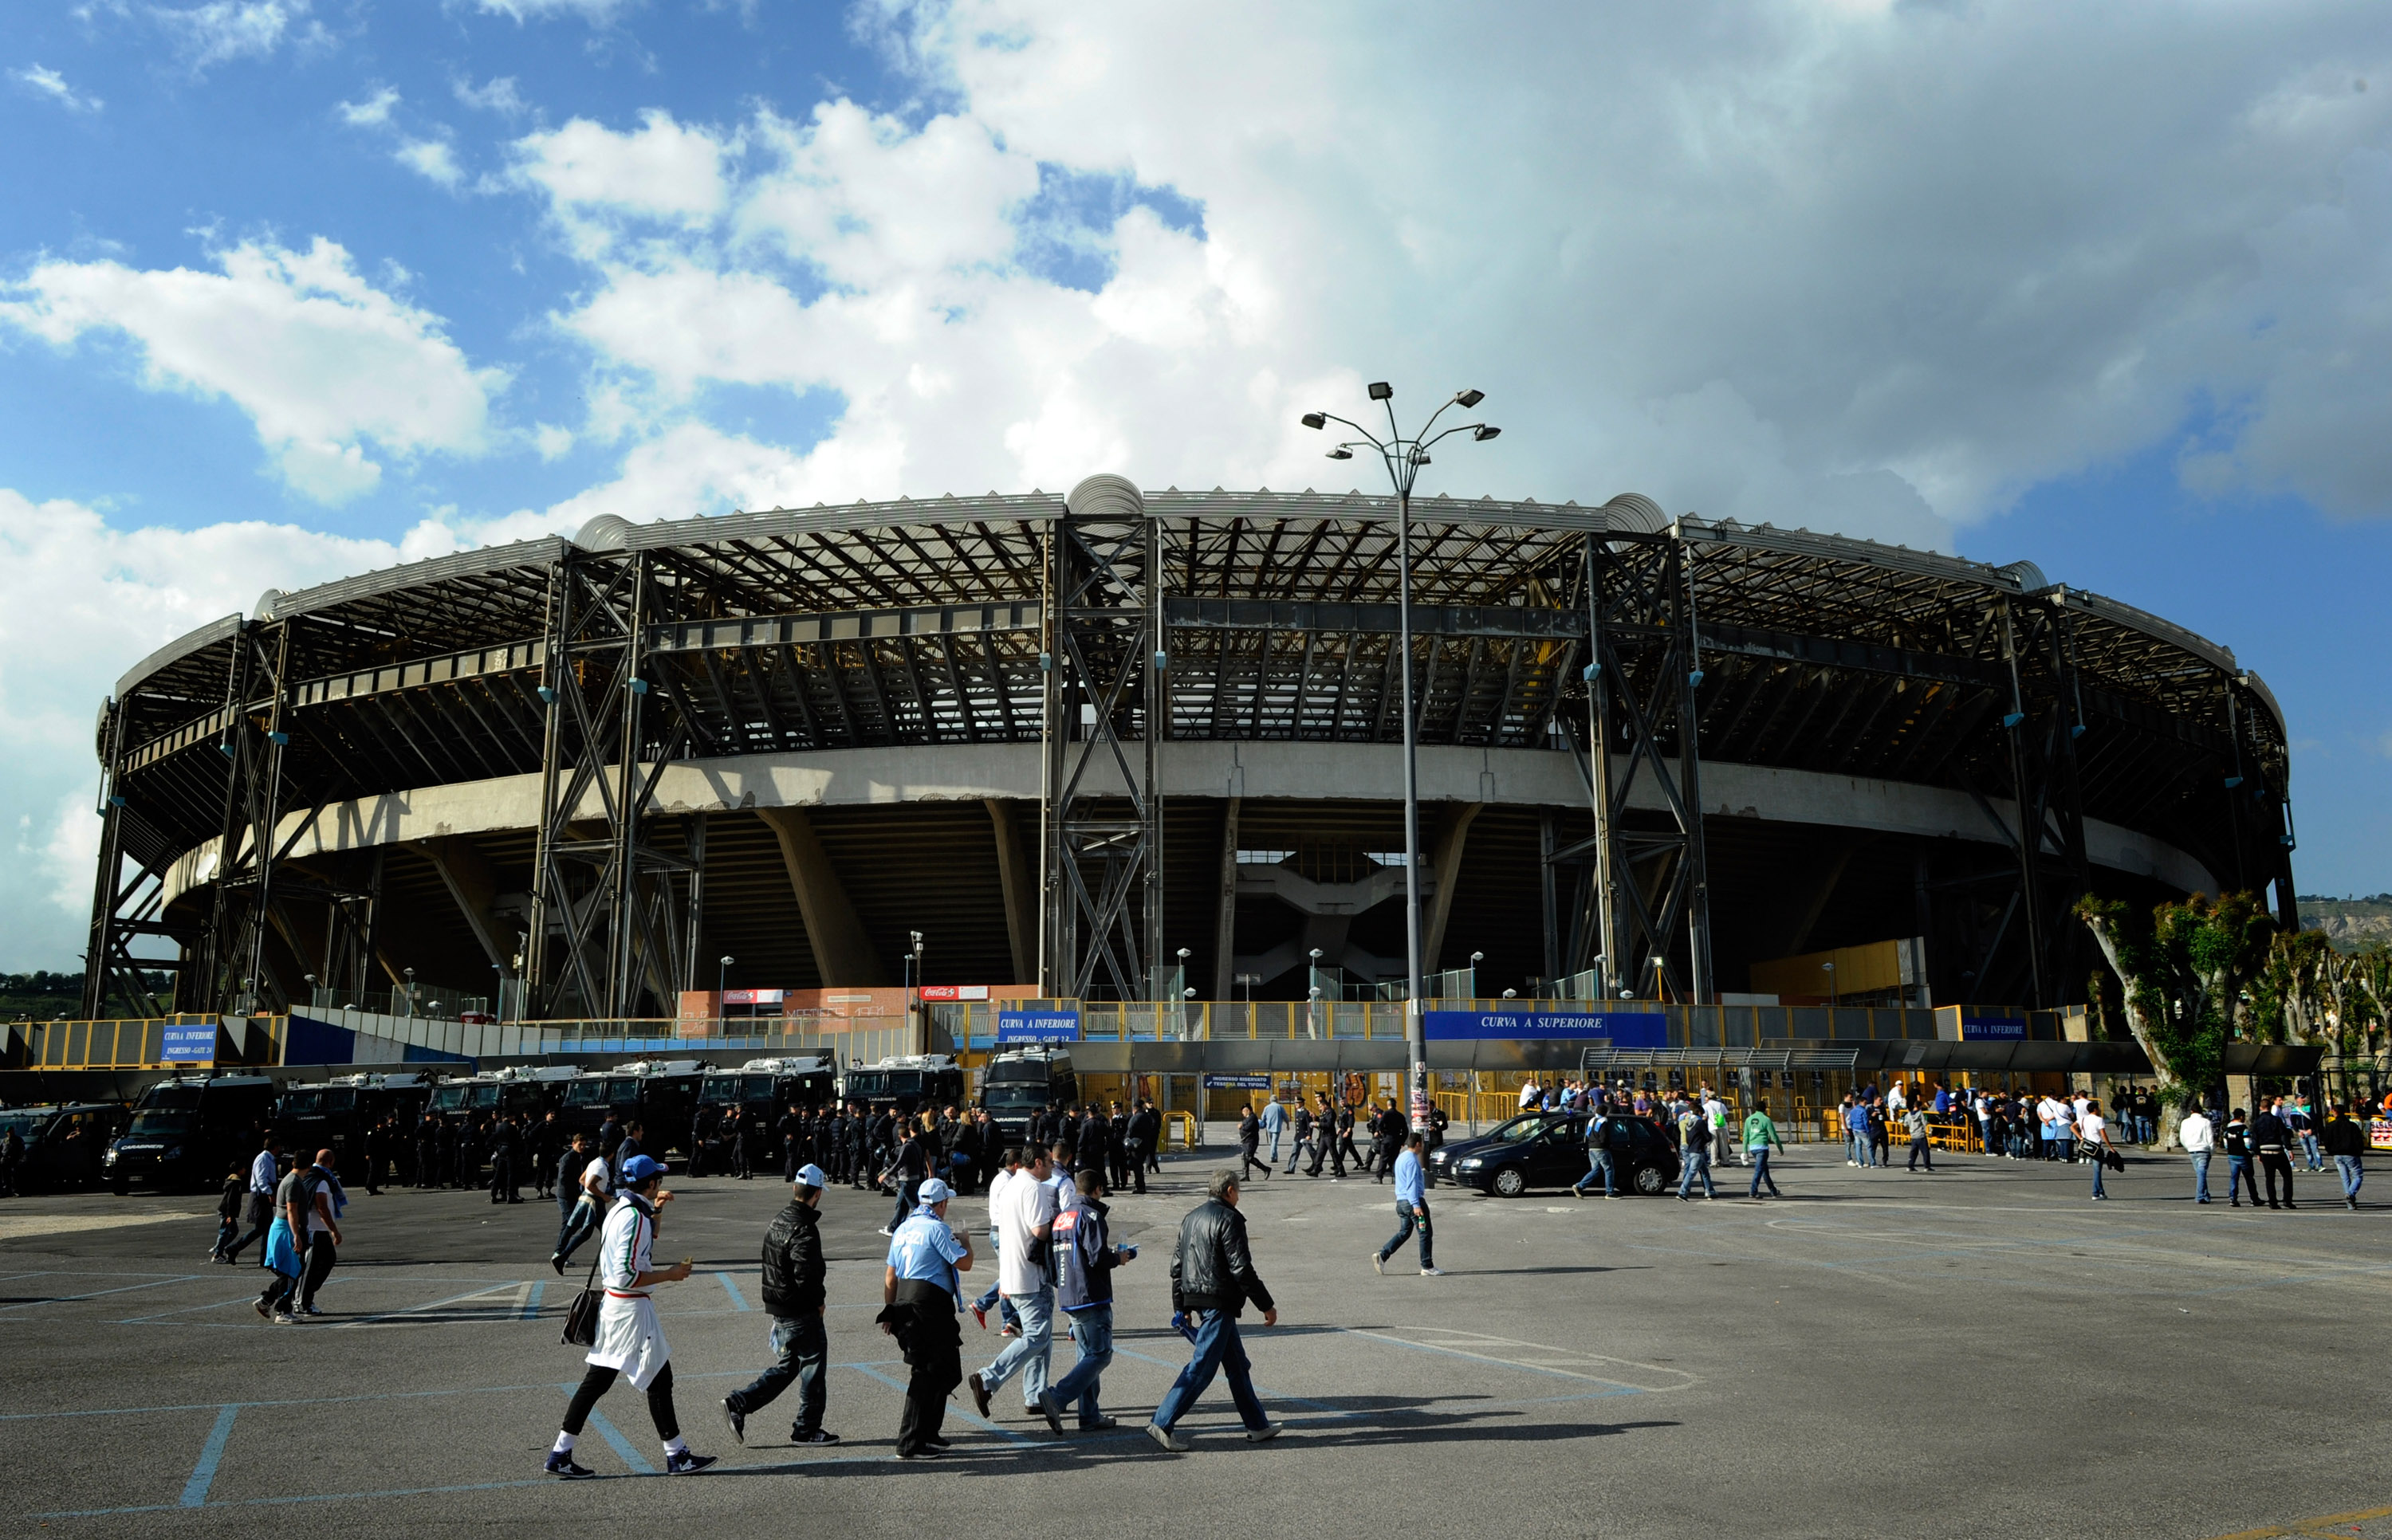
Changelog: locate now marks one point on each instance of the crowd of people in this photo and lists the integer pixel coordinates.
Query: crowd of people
(1055, 1256)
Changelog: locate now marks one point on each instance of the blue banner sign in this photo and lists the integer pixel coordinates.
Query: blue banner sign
(1625, 1029)
(1237, 1083)
(1986, 1027)
(1038, 1025)
(189, 1044)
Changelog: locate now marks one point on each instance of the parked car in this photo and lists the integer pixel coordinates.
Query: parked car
(1548, 1149)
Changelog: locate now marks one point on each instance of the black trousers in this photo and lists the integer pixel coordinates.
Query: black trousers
(1136, 1151)
(427, 1165)
(598, 1381)
(504, 1188)
(261, 1219)
(935, 1348)
(2272, 1162)
(1919, 1151)
(321, 1255)
(1248, 1160)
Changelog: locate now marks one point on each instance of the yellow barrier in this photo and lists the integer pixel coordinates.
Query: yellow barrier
(1954, 1134)
(1184, 1124)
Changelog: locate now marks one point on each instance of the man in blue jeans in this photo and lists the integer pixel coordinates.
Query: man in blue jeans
(1024, 1219)
(2346, 1142)
(1598, 1153)
(1760, 1132)
(1212, 1277)
(792, 1289)
(1085, 1258)
(1411, 1211)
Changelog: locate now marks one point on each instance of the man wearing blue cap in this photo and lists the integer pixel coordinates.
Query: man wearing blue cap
(793, 1294)
(919, 1291)
(629, 1340)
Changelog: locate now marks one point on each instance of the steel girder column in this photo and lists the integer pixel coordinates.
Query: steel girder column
(1100, 878)
(122, 908)
(610, 932)
(1652, 886)
(2264, 841)
(2040, 732)
(231, 971)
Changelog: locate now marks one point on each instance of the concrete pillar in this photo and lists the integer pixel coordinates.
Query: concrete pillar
(1019, 877)
(843, 954)
(1225, 922)
(475, 891)
(1453, 832)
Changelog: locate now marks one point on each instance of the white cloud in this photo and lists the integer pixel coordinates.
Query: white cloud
(44, 81)
(80, 600)
(662, 172)
(321, 360)
(498, 95)
(553, 442)
(596, 12)
(223, 30)
(372, 112)
(433, 159)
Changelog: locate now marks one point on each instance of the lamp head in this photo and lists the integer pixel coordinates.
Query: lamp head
(1382, 390)
(1341, 454)
(1314, 420)
(1485, 432)
(1419, 457)
(1469, 398)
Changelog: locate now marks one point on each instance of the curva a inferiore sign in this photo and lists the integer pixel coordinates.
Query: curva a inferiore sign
(1624, 1029)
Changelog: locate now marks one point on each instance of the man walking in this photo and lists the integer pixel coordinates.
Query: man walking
(1085, 1258)
(596, 1185)
(264, 1173)
(793, 1294)
(547, 1142)
(1274, 1123)
(323, 1215)
(1024, 1227)
(1598, 1153)
(1145, 1132)
(1212, 1277)
(2346, 1143)
(629, 1340)
(2200, 1140)
(1760, 1132)
(1914, 1123)
(1250, 1133)
(1411, 1209)
(2273, 1138)
(918, 1307)
(2240, 1156)
(1695, 1154)
(293, 1200)
(2093, 1137)
(1009, 1170)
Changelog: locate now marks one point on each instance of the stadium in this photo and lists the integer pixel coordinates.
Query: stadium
(1123, 745)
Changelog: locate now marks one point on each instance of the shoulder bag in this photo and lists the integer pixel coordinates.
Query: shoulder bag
(581, 1317)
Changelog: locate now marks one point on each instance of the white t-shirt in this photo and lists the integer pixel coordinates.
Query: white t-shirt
(1018, 1214)
(2088, 1127)
(1527, 1093)
(996, 1186)
(321, 1207)
(2195, 1133)
(596, 1178)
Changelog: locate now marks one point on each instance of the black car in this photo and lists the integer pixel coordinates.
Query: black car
(1548, 1149)
(64, 1145)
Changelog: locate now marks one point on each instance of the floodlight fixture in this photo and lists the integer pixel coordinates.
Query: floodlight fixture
(1467, 399)
(1382, 390)
(1315, 419)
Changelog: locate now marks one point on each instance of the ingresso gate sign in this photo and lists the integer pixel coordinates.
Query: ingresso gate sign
(186, 1043)
(1625, 1029)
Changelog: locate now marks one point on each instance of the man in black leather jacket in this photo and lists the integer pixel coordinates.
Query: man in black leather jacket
(793, 1295)
(1212, 1277)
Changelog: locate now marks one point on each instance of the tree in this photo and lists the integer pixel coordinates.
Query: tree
(2184, 973)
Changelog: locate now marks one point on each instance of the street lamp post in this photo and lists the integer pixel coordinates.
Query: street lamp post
(1832, 999)
(1403, 458)
(913, 994)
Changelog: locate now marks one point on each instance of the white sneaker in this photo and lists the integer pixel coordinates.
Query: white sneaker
(1265, 1433)
(886, 1231)
(1432, 1272)
(1378, 1264)
(1172, 1443)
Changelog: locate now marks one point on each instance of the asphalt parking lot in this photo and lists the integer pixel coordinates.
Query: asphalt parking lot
(1981, 1352)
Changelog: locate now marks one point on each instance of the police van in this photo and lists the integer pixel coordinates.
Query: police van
(336, 1114)
(65, 1144)
(763, 1090)
(661, 1094)
(1022, 1083)
(190, 1131)
(907, 1084)
(531, 1091)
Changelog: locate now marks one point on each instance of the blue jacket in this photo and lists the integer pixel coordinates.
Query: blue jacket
(1084, 1257)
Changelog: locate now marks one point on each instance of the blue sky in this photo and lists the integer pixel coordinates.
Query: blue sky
(290, 290)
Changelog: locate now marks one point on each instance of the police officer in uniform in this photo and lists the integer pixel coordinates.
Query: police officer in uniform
(917, 1294)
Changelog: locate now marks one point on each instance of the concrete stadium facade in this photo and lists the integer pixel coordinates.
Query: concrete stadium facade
(1066, 737)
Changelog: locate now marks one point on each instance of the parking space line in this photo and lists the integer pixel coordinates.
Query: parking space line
(738, 1300)
(96, 1293)
(203, 1475)
(531, 1302)
(621, 1445)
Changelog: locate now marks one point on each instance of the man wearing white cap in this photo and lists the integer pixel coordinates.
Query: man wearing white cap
(919, 1294)
(793, 1294)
